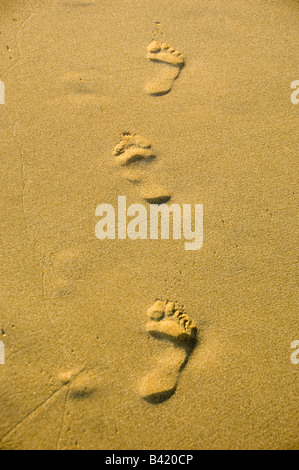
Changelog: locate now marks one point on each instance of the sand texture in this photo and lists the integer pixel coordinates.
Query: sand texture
(142, 344)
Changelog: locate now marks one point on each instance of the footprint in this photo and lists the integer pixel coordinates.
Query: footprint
(171, 62)
(82, 382)
(133, 154)
(85, 87)
(63, 274)
(168, 321)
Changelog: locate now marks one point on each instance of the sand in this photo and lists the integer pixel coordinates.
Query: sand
(198, 94)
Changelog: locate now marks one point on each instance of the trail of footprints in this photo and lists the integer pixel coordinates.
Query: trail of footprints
(134, 153)
(168, 321)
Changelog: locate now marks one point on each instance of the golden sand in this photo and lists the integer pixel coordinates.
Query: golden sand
(181, 101)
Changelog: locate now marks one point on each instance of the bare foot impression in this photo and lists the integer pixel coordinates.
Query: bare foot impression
(85, 87)
(169, 322)
(133, 154)
(171, 62)
(62, 274)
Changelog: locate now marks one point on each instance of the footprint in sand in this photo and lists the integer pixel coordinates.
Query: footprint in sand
(171, 62)
(82, 383)
(168, 321)
(80, 88)
(63, 273)
(133, 154)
